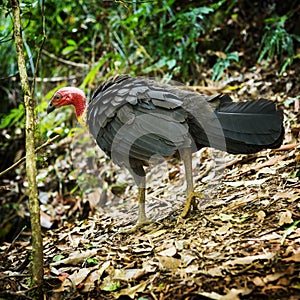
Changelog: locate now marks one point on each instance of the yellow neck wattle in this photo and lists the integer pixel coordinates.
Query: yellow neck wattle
(83, 120)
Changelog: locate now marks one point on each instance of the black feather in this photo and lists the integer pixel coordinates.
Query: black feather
(142, 118)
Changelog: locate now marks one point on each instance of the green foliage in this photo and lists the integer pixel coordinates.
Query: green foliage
(15, 117)
(177, 50)
(224, 62)
(58, 257)
(288, 62)
(8, 60)
(289, 230)
(143, 38)
(111, 286)
(93, 261)
(89, 41)
(276, 41)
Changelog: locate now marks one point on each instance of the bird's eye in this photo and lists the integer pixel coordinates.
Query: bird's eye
(57, 97)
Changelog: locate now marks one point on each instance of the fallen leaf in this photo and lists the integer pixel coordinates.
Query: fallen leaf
(79, 276)
(249, 259)
(104, 267)
(157, 233)
(125, 274)
(187, 258)
(272, 161)
(289, 231)
(290, 196)
(131, 291)
(285, 218)
(191, 268)
(258, 281)
(75, 279)
(149, 266)
(46, 220)
(142, 249)
(179, 245)
(246, 182)
(295, 257)
(217, 271)
(260, 216)
(233, 294)
(94, 197)
(76, 257)
(226, 217)
(266, 170)
(168, 252)
(89, 283)
(223, 230)
(269, 236)
(110, 283)
(273, 277)
(284, 281)
(168, 263)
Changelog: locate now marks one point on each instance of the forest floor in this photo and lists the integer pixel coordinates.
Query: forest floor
(243, 241)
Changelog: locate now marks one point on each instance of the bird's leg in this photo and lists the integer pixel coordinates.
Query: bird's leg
(137, 171)
(186, 156)
(142, 218)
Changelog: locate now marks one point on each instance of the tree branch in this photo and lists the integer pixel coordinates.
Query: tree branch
(37, 271)
(21, 160)
(64, 61)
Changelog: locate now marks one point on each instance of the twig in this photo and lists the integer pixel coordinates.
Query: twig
(14, 295)
(64, 61)
(287, 147)
(241, 160)
(267, 163)
(14, 240)
(52, 79)
(49, 141)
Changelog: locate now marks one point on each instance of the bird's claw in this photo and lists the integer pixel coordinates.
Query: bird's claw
(190, 203)
(139, 225)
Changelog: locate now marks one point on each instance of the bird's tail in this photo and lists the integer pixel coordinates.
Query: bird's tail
(248, 127)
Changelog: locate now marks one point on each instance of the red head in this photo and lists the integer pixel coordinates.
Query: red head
(68, 96)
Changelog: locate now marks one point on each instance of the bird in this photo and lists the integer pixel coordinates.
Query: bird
(135, 120)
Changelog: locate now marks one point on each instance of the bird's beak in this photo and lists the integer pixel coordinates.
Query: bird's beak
(50, 107)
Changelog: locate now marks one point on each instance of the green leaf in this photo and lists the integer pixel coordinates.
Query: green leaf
(233, 56)
(222, 64)
(68, 49)
(58, 257)
(90, 77)
(72, 42)
(112, 286)
(92, 260)
(289, 230)
(15, 115)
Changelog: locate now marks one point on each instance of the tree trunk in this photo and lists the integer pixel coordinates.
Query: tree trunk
(37, 243)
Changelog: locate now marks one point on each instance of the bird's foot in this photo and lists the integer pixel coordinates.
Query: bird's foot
(190, 203)
(141, 223)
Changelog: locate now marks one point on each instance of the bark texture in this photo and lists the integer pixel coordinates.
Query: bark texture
(37, 244)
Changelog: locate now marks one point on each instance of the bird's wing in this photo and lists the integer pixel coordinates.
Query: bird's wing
(138, 111)
(123, 89)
